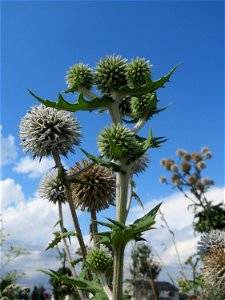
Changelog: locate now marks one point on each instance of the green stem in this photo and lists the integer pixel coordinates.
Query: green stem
(118, 272)
(122, 182)
(94, 227)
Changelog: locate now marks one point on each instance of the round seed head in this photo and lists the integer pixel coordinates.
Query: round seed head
(98, 260)
(45, 129)
(196, 157)
(138, 71)
(201, 165)
(199, 186)
(207, 181)
(187, 157)
(78, 76)
(211, 240)
(51, 188)
(99, 193)
(204, 149)
(110, 73)
(162, 162)
(174, 168)
(192, 179)
(163, 179)
(143, 104)
(168, 163)
(180, 152)
(214, 272)
(118, 142)
(208, 154)
(185, 166)
(141, 164)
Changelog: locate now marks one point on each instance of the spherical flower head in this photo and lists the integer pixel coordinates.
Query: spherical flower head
(214, 272)
(98, 260)
(110, 73)
(192, 179)
(78, 76)
(185, 166)
(196, 157)
(140, 164)
(51, 188)
(199, 186)
(211, 240)
(208, 154)
(46, 129)
(174, 168)
(175, 178)
(138, 71)
(204, 149)
(201, 165)
(186, 156)
(207, 181)
(168, 163)
(163, 179)
(118, 142)
(97, 195)
(180, 152)
(144, 104)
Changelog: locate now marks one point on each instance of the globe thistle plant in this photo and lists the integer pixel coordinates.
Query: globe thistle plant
(98, 192)
(145, 104)
(211, 240)
(118, 142)
(51, 188)
(79, 76)
(138, 71)
(98, 260)
(45, 129)
(110, 73)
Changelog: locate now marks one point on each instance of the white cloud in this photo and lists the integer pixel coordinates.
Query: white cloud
(8, 149)
(33, 167)
(11, 193)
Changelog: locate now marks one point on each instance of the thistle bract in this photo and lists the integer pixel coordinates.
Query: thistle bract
(118, 142)
(144, 105)
(98, 260)
(100, 188)
(110, 73)
(78, 76)
(138, 71)
(46, 129)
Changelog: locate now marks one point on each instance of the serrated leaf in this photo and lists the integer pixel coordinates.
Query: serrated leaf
(149, 87)
(82, 104)
(58, 237)
(152, 142)
(116, 223)
(101, 162)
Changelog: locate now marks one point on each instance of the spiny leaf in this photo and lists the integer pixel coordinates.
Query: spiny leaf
(98, 160)
(118, 224)
(149, 87)
(58, 222)
(138, 199)
(152, 142)
(58, 237)
(81, 104)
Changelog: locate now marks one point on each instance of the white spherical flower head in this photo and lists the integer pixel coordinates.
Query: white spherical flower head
(45, 129)
(209, 241)
(51, 188)
(141, 164)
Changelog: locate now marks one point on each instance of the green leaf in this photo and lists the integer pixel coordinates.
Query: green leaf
(82, 104)
(58, 222)
(138, 199)
(149, 87)
(77, 261)
(58, 237)
(101, 162)
(152, 142)
(122, 234)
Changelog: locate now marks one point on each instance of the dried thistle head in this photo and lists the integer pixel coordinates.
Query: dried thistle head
(46, 129)
(51, 188)
(214, 271)
(168, 162)
(196, 157)
(185, 166)
(192, 179)
(99, 192)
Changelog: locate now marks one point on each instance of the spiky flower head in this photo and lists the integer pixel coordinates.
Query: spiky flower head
(201, 165)
(214, 272)
(180, 152)
(162, 179)
(168, 162)
(138, 71)
(98, 260)
(78, 76)
(185, 166)
(110, 73)
(117, 142)
(97, 195)
(145, 104)
(211, 240)
(174, 168)
(208, 154)
(46, 129)
(196, 157)
(192, 179)
(204, 149)
(141, 164)
(51, 188)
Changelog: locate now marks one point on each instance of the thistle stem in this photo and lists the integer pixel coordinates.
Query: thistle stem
(67, 250)
(122, 182)
(94, 227)
(118, 272)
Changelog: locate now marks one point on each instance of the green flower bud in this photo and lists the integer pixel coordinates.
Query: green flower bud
(138, 71)
(117, 142)
(110, 73)
(78, 76)
(146, 104)
(98, 260)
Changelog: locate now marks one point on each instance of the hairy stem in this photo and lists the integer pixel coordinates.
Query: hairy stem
(94, 227)
(67, 250)
(118, 272)
(122, 182)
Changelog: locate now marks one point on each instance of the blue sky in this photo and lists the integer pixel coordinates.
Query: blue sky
(40, 40)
